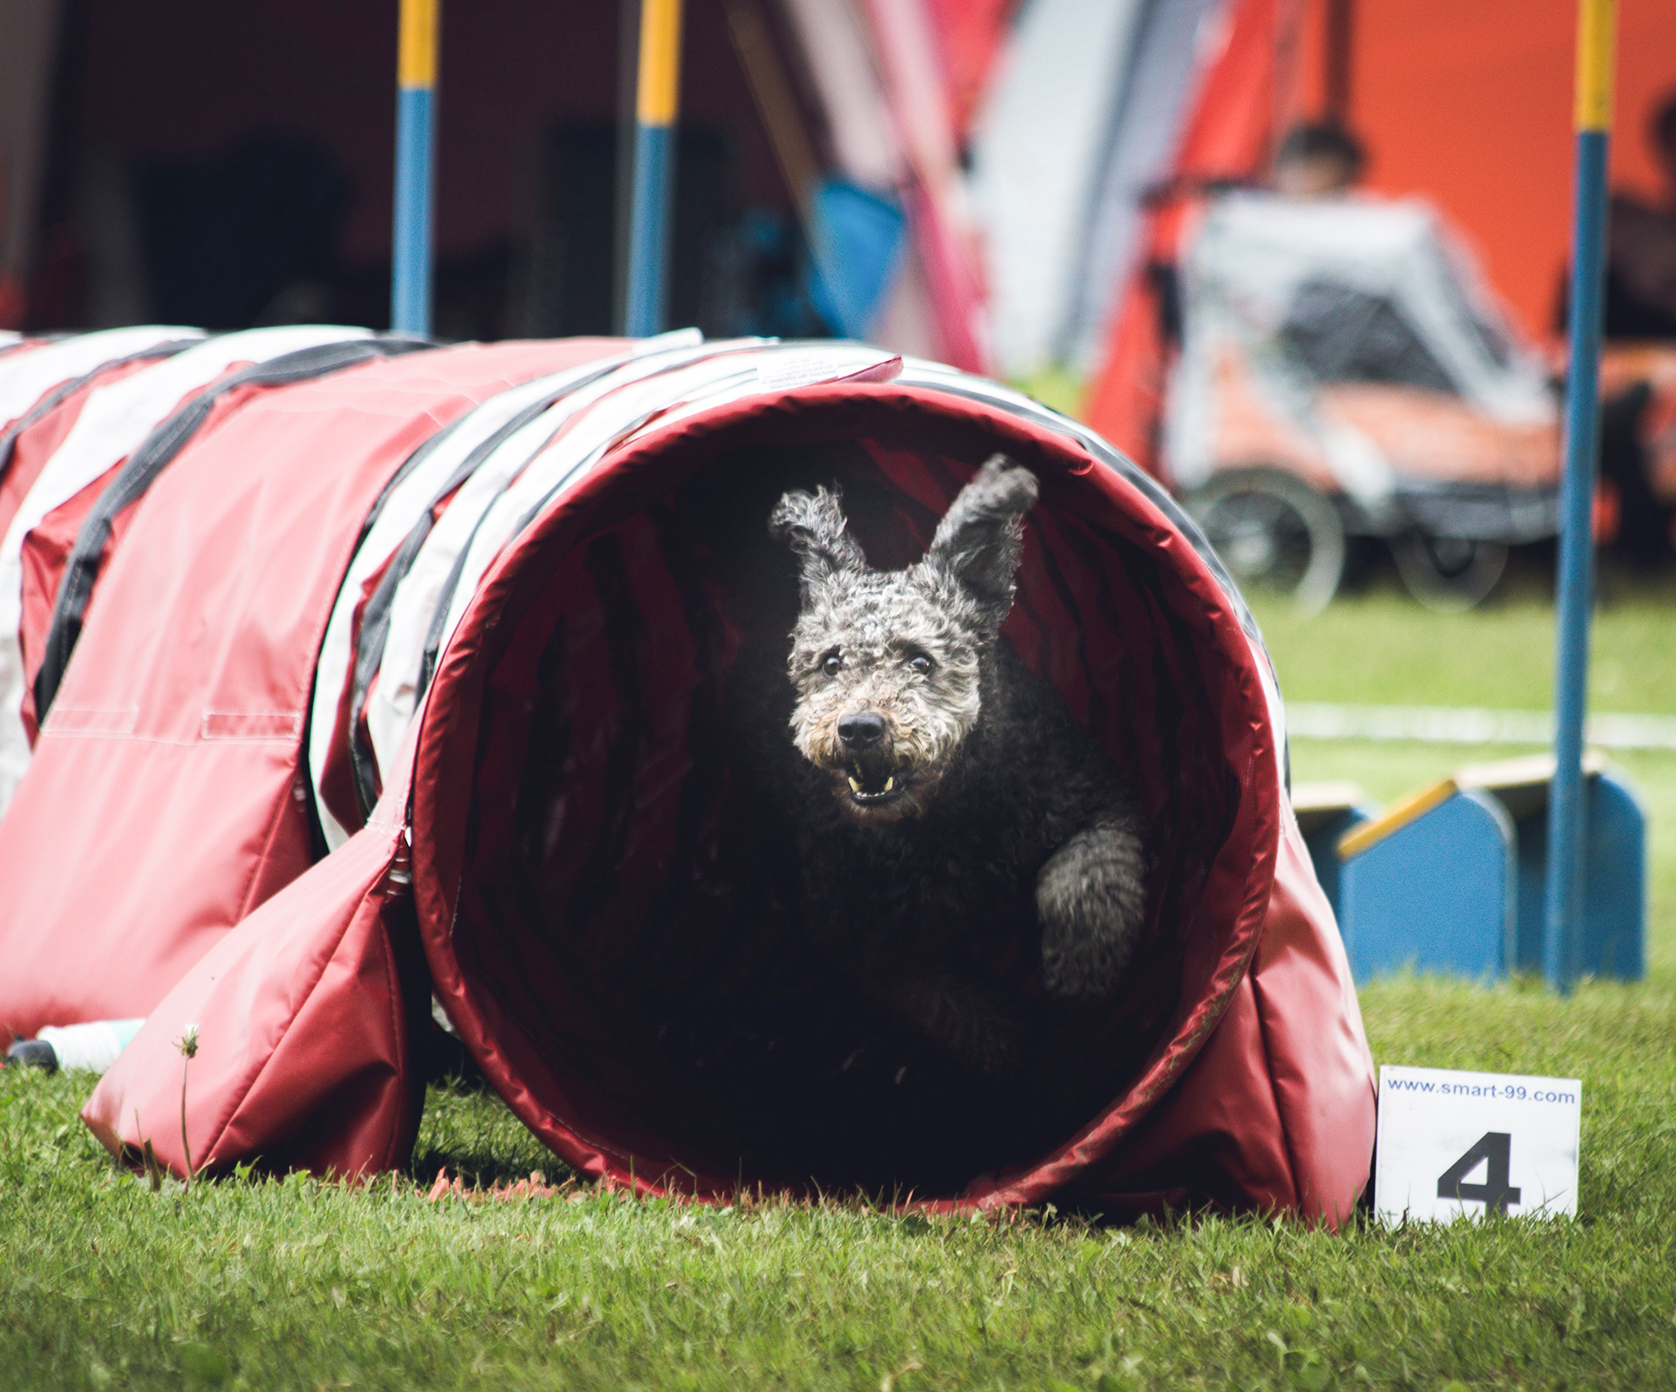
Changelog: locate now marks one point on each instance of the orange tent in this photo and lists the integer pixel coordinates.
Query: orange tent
(1468, 106)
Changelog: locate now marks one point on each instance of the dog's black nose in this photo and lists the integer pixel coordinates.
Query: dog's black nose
(860, 730)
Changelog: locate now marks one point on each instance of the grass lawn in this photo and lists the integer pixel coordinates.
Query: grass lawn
(301, 1284)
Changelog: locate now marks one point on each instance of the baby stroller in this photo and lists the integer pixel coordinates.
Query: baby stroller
(1343, 372)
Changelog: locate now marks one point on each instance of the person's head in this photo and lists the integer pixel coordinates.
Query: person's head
(1317, 158)
(1661, 131)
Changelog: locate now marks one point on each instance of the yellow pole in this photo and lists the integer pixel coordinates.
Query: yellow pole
(1597, 24)
(660, 62)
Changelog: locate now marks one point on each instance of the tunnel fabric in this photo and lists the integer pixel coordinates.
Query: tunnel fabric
(166, 778)
(565, 823)
(132, 479)
(59, 394)
(47, 364)
(517, 477)
(117, 419)
(66, 374)
(501, 1039)
(532, 1062)
(385, 556)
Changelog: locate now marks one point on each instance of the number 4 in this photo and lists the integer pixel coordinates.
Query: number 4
(1493, 1148)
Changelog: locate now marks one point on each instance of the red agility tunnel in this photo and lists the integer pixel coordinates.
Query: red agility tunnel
(433, 673)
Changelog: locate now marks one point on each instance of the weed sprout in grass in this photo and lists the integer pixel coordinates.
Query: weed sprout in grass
(188, 1046)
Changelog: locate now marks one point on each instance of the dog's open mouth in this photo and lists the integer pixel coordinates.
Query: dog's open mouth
(874, 787)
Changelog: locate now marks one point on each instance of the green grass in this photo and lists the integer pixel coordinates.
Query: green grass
(300, 1284)
(1055, 387)
(1376, 647)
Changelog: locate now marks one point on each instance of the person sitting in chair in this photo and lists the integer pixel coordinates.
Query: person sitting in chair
(1318, 159)
(1641, 250)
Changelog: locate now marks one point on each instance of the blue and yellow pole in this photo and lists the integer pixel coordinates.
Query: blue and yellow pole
(410, 272)
(654, 161)
(1596, 25)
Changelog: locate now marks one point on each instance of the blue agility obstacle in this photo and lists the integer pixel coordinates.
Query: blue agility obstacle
(1430, 885)
(1454, 878)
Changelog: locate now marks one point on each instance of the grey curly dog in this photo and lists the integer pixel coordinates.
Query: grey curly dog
(946, 796)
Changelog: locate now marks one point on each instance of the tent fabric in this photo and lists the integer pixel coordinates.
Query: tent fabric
(1094, 112)
(1226, 135)
(1044, 133)
(1470, 107)
(877, 74)
(939, 213)
(570, 825)
(857, 238)
(1467, 107)
(1158, 86)
(969, 36)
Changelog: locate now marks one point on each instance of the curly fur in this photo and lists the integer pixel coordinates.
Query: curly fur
(946, 795)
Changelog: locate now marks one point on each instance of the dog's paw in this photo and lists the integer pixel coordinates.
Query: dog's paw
(1090, 899)
(963, 1021)
(989, 1044)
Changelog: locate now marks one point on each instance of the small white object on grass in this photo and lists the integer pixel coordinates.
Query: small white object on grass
(94, 1046)
(1462, 1145)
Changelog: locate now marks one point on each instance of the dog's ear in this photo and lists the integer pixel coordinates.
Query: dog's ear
(814, 527)
(980, 541)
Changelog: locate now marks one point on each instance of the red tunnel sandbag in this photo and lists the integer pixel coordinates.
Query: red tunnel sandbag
(562, 885)
(308, 1014)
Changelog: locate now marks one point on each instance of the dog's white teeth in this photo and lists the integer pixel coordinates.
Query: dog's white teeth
(890, 782)
(854, 786)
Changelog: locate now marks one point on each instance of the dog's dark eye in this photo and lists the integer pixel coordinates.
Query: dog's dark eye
(920, 663)
(831, 663)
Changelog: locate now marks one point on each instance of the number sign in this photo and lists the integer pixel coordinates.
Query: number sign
(1460, 1145)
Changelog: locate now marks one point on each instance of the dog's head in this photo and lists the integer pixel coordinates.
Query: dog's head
(886, 663)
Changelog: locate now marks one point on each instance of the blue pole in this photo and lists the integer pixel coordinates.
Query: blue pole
(410, 269)
(649, 230)
(1561, 956)
(654, 160)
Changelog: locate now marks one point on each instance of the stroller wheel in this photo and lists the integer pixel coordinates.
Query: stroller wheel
(1448, 574)
(1274, 532)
